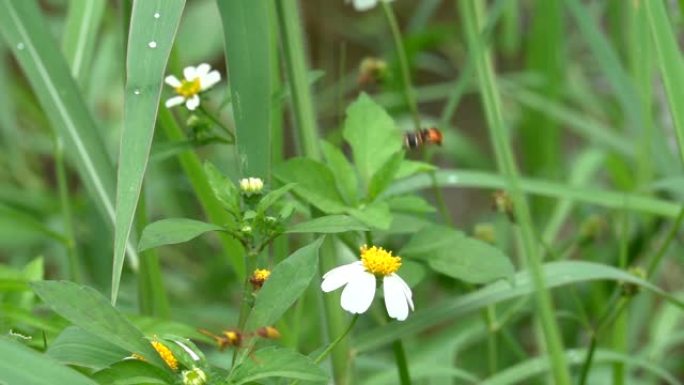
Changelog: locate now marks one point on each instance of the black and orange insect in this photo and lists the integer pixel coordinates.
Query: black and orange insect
(415, 139)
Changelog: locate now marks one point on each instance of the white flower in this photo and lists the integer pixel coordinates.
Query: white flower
(361, 277)
(196, 80)
(251, 186)
(196, 376)
(364, 5)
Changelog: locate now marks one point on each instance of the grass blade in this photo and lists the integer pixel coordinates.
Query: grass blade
(153, 28)
(669, 58)
(25, 29)
(248, 54)
(78, 44)
(472, 14)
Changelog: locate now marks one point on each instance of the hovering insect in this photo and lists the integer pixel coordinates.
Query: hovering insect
(415, 139)
(235, 338)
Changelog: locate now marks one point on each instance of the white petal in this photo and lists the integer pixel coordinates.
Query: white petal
(202, 70)
(395, 298)
(210, 79)
(364, 5)
(192, 103)
(340, 276)
(358, 295)
(407, 291)
(172, 81)
(174, 101)
(190, 73)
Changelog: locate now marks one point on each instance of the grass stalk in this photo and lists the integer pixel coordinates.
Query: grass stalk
(407, 84)
(291, 32)
(67, 216)
(471, 12)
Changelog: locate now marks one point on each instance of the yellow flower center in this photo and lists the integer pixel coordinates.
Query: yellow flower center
(165, 354)
(189, 88)
(261, 274)
(379, 261)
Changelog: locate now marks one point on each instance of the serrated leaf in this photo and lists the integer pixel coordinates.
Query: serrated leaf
(452, 253)
(171, 231)
(372, 135)
(315, 183)
(91, 311)
(376, 215)
(287, 282)
(277, 362)
(224, 189)
(329, 224)
(385, 175)
(273, 196)
(410, 204)
(345, 175)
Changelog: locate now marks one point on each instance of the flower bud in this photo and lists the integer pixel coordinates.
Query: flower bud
(268, 332)
(258, 278)
(485, 232)
(372, 70)
(251, 186)
(196, 376)
(503, 203)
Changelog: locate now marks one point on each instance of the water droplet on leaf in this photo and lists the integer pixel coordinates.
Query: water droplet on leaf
(157, 15)
(137, 91)
(20, 46)
(152, 44)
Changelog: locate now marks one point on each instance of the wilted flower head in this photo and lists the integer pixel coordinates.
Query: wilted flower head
(371, 70)
(364, 5)
(268, 332)
(361, 278)
(165, 354)
(251, 186)
(196, 80)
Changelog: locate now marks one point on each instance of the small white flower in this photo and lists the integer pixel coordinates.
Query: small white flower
(196, 80)
(364, 5)
(361, 277)
(251, 186)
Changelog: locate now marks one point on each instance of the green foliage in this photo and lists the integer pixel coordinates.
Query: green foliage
(279, 363)
(173, 230)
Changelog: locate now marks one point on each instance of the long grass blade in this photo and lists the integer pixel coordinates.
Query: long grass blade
(78, 44)
(248, 54)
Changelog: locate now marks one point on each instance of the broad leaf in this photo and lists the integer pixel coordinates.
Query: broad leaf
(21, 365)
(385, 175)
(452, 253)
(133, 372)
(345, 175)
(75, 346)
(376, 215)
(277, 362)
(89, 310)
(224, 189)
(272, 197)
(329, 224)
(173, 230)
(315, 183)
(410, 204)
(372, 135)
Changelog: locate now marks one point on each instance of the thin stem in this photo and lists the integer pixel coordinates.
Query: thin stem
(441, 203)
(587, 361)
(402, 362)
(492, 350)
(330, 347)
(403, 63)
(653, 265)
(74, 270)
(218, 122)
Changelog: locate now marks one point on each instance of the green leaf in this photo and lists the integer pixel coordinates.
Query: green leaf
(277, 362)
(329, 225)
(272, 197)
(452, 253)
(75, 346)
(315, 183)
(372, 135)
(556, 274)
(477, 179)
(86, 308)
(23, 26)
(171, 231)
(376, 215)
(80, 34)
(287, 282)
(411, 167)
(410, 204)
(669, 59)
(133, 372)
(385, 175)
(21, 365)
(345, 175)
(149, 43)
(224, 189)
(248, 54)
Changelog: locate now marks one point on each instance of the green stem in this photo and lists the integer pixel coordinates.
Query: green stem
(402, 362)
(62, 184)
(588, 360)
(471, 12)
(653, 265)
(403, 63)
(295, 62)
(330, 347)
(492, 350)
(218, 122)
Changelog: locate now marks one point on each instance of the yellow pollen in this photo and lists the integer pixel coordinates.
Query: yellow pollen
(165, 354)
(189, 88)
(261, 274)
(379, 261)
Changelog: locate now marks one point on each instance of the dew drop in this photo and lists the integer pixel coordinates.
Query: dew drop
(20, 46)
(152, 44)
(157, 15)
(137, 91)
